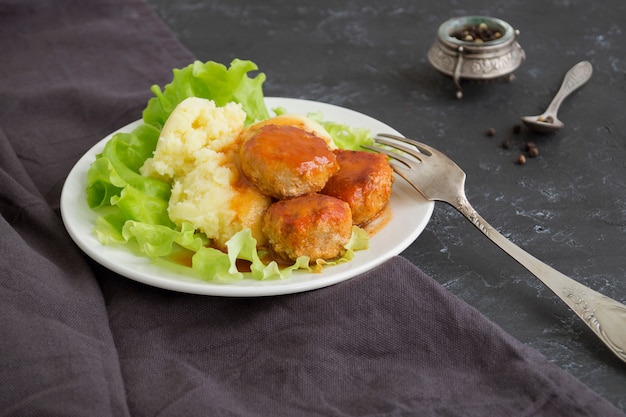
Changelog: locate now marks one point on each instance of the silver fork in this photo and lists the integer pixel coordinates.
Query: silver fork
(438, 178)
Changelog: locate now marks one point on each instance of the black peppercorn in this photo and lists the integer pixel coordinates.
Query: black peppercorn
(477, 33)
(507, 144)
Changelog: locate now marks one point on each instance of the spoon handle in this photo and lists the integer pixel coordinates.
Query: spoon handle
(578, 75)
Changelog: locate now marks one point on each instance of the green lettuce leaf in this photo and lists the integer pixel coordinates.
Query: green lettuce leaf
(212, 264)
(157, 240)
(344, 136)
(118, 166)
(212, 81)
(133, 208)
(348, 137)
(120, 192)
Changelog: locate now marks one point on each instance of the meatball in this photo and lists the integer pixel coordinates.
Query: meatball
(286, 161)
(294, 120)
(364, 181)
(313, 225)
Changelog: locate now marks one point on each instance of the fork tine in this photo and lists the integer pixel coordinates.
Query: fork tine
(393, 155)
(404, 166)
(422, 147)
(399, 146)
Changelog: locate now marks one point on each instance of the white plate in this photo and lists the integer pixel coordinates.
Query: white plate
(410, 213)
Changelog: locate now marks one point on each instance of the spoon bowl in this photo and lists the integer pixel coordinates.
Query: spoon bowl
(544, 123)
(578, 75)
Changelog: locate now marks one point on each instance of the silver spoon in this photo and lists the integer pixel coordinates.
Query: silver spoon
(578, 75)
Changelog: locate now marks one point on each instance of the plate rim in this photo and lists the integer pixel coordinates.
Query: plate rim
(241, 288)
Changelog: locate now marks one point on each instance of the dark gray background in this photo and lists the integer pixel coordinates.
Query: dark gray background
(567, 207)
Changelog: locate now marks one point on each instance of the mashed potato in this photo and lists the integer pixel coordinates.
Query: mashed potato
(213, 198)
(195, 130)
(197, 153)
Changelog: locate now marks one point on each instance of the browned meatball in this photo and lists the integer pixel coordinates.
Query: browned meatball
(313, 225)
(364, 181)
(286, 161)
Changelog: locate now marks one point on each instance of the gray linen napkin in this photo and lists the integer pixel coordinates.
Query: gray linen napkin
(79, 340)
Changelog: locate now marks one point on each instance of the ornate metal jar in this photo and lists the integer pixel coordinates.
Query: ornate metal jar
(461, 53)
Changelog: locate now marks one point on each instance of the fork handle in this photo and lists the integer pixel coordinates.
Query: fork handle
(604, 316)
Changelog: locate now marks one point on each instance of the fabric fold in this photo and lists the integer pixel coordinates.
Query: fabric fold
(57, 350)
(79, 340)
(72, 72)
(390, 342)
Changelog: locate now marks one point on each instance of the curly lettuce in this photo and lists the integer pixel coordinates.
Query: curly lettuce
(344, 136)
(212, 81)
(133, 208)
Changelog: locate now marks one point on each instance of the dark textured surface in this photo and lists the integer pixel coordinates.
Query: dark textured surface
(567, 206)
